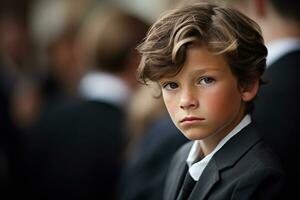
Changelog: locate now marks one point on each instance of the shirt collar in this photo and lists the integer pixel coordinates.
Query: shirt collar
(104, 87)
(281, 47)
(196, 168)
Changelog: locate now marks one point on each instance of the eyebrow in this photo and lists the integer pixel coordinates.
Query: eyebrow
(198, 71)
(206, 69)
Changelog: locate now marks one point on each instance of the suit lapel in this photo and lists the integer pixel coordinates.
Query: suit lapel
(178, 180)
(226, 157)
(178, 173)
(208, 179)
(236, 147)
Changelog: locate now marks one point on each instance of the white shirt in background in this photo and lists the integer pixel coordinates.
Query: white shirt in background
(104, 87)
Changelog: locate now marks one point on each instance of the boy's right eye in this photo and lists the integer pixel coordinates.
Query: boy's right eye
(170, 85)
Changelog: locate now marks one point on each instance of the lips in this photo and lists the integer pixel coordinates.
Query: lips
(191, 119)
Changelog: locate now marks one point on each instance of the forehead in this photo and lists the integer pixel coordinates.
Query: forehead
(199, 58)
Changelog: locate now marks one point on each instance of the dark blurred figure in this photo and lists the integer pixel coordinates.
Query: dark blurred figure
(64, 67)
(75, 150)
(277, 112)
(15, 55)
(15, 67)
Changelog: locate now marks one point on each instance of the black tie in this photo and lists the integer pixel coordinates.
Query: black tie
(187, 187)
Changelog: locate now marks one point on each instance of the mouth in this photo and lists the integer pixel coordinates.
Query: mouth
(191, 119)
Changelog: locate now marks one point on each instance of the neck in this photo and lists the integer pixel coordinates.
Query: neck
(208, 144)
(275, 28)
(287, 33)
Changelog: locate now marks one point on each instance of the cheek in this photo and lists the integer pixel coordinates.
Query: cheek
(221, 102)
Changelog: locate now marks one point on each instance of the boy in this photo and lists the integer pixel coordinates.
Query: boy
(208, 61)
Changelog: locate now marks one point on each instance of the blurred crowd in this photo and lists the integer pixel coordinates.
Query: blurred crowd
(74, 122)
(71, 110)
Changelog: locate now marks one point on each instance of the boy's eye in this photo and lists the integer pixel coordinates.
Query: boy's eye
(170, 86)
(206, 80)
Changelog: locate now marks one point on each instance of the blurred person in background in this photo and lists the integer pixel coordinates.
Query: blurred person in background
(153, 140)
(55, 27)
(277, 106)
(17, 68)
(64, 66)
(142, 113)
(76, 150)
(19, 104)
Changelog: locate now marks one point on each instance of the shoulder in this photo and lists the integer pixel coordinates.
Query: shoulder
(259, 174)
(252, 152)
(263, 176)
(289, 65)
(260, 157)
(290, 58)
(82, 109)
(260, 181)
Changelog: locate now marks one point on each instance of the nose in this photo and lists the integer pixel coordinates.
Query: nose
(188, 100)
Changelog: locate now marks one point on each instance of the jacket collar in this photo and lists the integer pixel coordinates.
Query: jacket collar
(225, 158)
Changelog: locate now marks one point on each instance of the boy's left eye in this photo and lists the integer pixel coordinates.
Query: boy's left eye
(206, 80)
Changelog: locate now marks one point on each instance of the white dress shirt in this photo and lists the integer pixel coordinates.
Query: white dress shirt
(105, 87)
(196, 168)
(281, 47)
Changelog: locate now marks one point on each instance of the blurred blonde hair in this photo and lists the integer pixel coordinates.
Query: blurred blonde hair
(109, 35)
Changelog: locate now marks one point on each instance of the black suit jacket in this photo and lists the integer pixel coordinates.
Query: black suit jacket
(9, 139)
(74, 152)
(244, 168)
(277, 114)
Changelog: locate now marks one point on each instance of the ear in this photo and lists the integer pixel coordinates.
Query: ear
(249, 92)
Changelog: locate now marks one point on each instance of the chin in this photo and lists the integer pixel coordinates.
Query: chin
(193, 136)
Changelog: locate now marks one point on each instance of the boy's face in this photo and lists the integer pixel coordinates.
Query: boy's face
(204, 100)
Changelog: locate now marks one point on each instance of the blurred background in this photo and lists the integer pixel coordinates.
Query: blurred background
(75, 123)
(47, 47)
(40, 56)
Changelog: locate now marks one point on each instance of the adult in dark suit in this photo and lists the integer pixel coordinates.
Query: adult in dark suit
(14, 68)
(277, 107)
(9, 146)
(277, 114)
(251, 172)
(75, 150)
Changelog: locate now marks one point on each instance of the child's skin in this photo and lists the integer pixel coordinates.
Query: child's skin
(205, 100)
